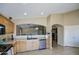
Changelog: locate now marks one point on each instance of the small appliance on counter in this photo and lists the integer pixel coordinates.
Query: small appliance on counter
(12, 38)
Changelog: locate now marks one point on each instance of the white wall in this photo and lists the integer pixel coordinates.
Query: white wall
(71, 18)
(34, 20)
(58, 19)
(71, 29)
(70, 21)
(71, 36)
(61, 36)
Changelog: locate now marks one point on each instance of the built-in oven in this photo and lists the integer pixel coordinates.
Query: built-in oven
(2, 29)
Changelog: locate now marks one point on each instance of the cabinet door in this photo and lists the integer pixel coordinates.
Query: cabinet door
(17, 46)
(35, 44)
(22, 45)
(1, 20)
(32, 44)
(29, 45)
(6, 23)
(14, 48)
(12, 28)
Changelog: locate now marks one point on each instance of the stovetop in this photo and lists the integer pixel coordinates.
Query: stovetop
(4, 47)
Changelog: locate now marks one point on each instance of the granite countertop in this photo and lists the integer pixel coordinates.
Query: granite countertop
(8, 42)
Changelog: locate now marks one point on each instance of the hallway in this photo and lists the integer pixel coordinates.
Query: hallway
(55, 51)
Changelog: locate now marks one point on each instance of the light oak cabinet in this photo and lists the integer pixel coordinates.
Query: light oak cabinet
(27, 45)
(17, 46)
(9, 25)
(32, 44)
(14, 48)
(21, 45)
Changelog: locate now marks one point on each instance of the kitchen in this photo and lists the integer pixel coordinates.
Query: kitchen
(27, 28)
(28, 37)
(6, 34)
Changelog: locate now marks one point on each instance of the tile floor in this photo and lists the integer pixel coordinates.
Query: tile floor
(59, 50)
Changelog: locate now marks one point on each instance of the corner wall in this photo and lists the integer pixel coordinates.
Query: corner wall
(71, 32)
(57, 19)
(70, 21)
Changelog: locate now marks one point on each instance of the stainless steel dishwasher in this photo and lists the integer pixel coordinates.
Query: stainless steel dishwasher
(42, 44)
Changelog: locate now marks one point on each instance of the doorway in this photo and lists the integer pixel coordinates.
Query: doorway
(57, 35)
(54, 36)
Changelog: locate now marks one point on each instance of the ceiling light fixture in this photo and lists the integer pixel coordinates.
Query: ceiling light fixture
(25, 13)
(36, 28)
(42, 13)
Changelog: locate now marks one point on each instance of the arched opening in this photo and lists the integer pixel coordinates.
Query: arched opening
(57, 35)
(30, 29)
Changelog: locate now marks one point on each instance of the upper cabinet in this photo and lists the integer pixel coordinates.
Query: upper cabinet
(9, 25)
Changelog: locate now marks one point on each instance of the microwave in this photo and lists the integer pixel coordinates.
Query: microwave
(2, 29)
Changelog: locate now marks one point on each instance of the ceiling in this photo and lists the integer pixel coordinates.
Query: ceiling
(24, 10)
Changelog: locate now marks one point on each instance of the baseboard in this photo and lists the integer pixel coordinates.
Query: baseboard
(72, 46)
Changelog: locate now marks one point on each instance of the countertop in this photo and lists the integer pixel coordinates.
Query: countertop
(30, 37)
(9, 42)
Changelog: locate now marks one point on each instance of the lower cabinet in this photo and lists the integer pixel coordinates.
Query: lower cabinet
(17, 46)
(27, 45)
(23, 46)
(32, 44)
(14, 48)
(20, 45)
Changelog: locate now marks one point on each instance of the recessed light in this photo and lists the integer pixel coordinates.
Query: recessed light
(36, 28)
(25, 14)
(42, 13)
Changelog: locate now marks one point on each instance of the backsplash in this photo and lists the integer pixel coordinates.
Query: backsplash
(6, 36)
